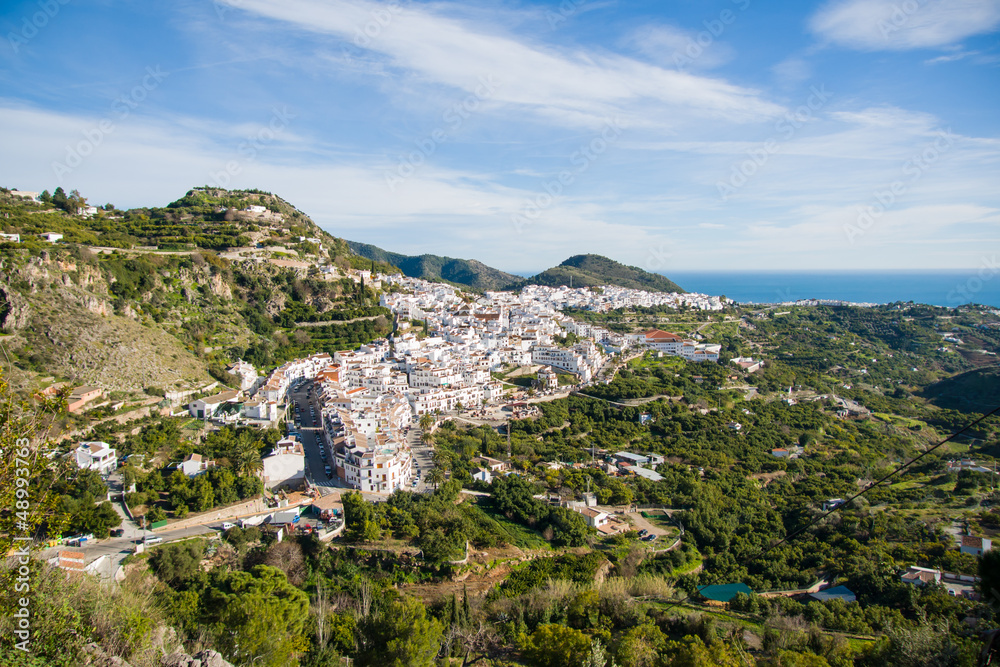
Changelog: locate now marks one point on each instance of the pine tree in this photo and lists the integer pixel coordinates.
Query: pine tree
(466, 615)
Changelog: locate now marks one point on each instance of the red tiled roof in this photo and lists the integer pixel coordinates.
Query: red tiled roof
(972, 541)
(661, 336)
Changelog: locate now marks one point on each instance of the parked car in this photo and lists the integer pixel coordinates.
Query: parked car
(153, 539)
(329, 473)
(117, 532)
(643, 533)
(226, 525)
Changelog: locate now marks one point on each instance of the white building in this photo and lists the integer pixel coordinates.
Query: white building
(95, 455)
(51, 237)
(204, 408)
(25, 194)
(194, 464)
(568, 359)
(594, 518)
(548, 378)
(260, 409)
(286, 465)
(674, 345)
(976, 546)
(376, 465)
(246, 373)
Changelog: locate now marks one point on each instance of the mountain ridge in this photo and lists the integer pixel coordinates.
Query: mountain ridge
(592, 270)
(466, 272)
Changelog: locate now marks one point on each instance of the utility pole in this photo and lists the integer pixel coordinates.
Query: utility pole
(508, 441)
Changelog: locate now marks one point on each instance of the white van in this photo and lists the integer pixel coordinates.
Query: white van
(155, 539)
(226, 526)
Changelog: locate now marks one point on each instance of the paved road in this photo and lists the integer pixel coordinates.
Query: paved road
(311, 433)
(310, 429)
(117, 548)
(423, 460)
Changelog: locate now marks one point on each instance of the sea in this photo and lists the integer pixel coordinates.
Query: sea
(950, 288)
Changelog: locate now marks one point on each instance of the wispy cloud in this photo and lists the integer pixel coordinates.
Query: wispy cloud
(874, 25)
(578, 87)
(672, 47)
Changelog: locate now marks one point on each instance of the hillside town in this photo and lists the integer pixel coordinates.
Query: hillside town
(369, 397)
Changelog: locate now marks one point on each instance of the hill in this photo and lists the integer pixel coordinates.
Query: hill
(594, 270)
(162, 299)
(977, 390)
(466, 272)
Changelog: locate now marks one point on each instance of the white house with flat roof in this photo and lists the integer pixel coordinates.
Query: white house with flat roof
(96, 455)
(286, 465)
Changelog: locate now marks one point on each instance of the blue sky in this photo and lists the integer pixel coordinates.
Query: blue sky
(738, 134)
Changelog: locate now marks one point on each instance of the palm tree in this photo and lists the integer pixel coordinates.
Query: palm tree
(435, 477)
(426, 421)
(246, 456)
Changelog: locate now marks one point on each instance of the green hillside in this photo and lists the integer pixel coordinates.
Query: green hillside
(594, 270)
(977, 390)
(163, 298)
(468, 272)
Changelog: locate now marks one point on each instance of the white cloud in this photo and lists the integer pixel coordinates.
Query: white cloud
(677, 48)
(579, 88)
(874, 25)
(792, 71)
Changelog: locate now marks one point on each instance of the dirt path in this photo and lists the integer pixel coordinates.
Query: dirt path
(326, 322)
(640, 522)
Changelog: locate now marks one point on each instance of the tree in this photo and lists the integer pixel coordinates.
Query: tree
(287, 556)
(246, 455)
(177, 563)
(989, 573)
(692, 652)
(156, 513)
(426, 421)
(60, 200)
(552, 645)
(203, 496)
(359, 518)
(435, 477)
(401, 636)
(257, 617)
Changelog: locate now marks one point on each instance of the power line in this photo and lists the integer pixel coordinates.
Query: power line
(879, 481)
(868, 488)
